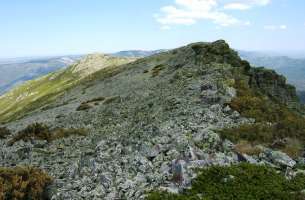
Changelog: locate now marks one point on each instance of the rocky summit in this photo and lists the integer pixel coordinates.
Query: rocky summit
(147, 124)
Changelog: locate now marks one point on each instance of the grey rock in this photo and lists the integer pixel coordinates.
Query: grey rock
(210, 96)
(279, 158)
(228, 145)
(250, 159)
(171, 189)
(151, 151)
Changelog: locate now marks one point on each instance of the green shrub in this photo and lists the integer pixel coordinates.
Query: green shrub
(23, 183)
(239, 182)
(4, 132)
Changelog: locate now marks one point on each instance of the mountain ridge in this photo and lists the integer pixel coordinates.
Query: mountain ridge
(292, 68)
(152, 123)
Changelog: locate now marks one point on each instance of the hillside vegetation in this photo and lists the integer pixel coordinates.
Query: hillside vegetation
(278, 123)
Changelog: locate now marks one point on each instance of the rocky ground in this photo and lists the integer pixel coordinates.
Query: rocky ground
(159, 125)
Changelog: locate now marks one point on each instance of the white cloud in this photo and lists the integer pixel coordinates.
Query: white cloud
(188, 12)
(275, 27)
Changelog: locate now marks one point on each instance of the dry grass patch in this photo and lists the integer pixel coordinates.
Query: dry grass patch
(23, 183)
(36, 131)
(293, 148)
(40, 131)
(64, 133)
(98, 99)
(84, 106)
(244, 147)
(109, 100)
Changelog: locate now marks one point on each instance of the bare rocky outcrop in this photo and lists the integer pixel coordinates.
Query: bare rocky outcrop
(273, 85)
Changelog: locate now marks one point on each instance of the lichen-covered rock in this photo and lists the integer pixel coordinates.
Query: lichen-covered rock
(279, 158)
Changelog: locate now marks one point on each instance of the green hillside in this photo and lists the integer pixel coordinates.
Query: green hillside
(36, 93)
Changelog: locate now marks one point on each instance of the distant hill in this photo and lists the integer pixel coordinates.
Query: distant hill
(292, 68)
(137, 53)
(301, 95)
(16, 71)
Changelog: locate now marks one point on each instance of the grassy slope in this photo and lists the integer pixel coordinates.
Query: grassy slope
(39, 92)
(20, 98)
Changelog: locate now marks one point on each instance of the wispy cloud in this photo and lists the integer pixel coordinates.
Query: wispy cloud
(188, 12)
(245, 4)
(275, 27)
(236, 6)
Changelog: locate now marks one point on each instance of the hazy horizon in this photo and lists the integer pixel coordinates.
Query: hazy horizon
(297, 54)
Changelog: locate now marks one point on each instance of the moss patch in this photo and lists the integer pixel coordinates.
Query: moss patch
(23, 183)
(239, 182)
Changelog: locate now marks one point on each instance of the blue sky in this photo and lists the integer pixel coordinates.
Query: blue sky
(57, 27)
